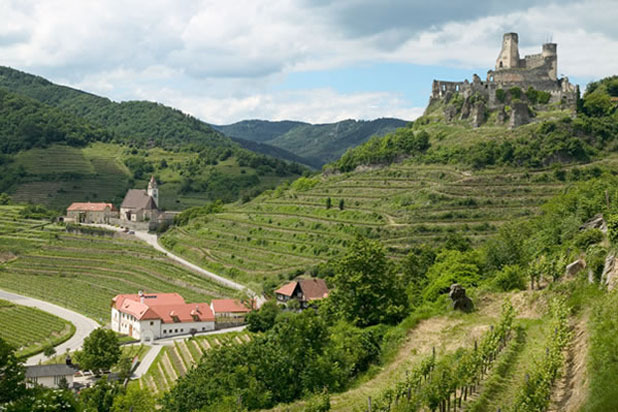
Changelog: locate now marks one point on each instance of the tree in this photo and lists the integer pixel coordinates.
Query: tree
(101, 350)
(134, 400)
(12, 375)
(100, 397)
(367, 289)
(341, 204)
(49, 351)
(4, 199)
(329, 202)
(125, 364)
(263, 319)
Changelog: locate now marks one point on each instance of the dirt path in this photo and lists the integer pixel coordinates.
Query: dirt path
(570, 391)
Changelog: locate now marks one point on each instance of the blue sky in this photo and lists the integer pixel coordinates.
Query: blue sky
(310, 60)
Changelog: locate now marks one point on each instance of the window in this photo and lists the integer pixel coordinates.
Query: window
(175, 330)
(57, 380)
(151, 323)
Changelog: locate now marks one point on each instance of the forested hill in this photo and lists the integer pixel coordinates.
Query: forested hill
(59, 145)
(318, 143)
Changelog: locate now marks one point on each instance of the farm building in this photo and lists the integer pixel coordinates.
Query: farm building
(91, 212)
(50, 376)
(141, 205)
(152, 316)
(229, 311)
(304, 290)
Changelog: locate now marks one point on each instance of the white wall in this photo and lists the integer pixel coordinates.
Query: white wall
(49, 381)
(155, 329)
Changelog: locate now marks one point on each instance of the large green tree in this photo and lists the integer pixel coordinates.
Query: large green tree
(101, 350)
(12, 384)
(134, 400)
(367, 289)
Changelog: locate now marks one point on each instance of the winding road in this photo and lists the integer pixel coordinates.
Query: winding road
(83, 325)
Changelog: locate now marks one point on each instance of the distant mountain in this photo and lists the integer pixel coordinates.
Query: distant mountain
(274, 151)
(258, 130)
(318, 144)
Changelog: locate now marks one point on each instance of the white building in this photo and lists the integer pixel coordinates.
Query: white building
(153, 316)
(49, 376)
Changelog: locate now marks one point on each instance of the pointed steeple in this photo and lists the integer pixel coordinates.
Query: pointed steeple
(153, 190)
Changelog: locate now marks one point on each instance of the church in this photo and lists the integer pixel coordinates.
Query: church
(141, 205)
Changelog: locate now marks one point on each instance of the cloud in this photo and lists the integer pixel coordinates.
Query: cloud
(202, 52)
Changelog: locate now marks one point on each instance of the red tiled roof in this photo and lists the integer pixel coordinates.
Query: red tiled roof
(90, 207)
(228, 306)
(314, 288)
(287, 290)
(164, 306)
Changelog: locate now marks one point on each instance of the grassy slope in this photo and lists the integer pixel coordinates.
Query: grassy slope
(83, 272)
(403, 204)
(44, 328)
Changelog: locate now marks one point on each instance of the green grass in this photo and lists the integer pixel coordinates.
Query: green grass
(84, 273)
(30, 330)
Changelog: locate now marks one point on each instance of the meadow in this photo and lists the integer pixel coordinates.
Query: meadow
(84, 272)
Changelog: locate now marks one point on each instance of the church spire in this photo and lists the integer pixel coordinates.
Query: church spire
(153, 190)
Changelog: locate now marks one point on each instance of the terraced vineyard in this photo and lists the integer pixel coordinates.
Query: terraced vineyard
(43, 328)
(175, 360)
(83, 272)
(404, 204)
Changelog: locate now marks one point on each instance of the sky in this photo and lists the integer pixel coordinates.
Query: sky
(311, 60)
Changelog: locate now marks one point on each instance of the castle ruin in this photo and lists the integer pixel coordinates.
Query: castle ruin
(539, 71)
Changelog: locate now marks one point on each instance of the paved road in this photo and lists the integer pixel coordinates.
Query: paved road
(153, 241)
(83, 325)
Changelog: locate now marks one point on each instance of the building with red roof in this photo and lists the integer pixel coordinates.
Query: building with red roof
(229, 311)
(87, 212)
(304, 290)
(150, 316)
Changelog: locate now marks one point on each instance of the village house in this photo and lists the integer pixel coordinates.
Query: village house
(228, 311)
(50, 376)
(158, 315)
(91, 212)
(141, 205)
(304, 290)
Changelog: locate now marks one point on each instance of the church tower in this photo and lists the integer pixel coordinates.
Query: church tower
(509, 55)
(153, 190)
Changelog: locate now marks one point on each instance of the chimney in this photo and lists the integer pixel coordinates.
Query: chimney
(68, 360)
(141, 296)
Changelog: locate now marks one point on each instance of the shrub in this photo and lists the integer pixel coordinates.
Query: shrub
(509, 278)
(587, 238)
(515, 92)
(500, 95)
(318, 403)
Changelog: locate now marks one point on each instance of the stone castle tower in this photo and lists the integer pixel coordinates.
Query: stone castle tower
(153, 190)
(509, 55)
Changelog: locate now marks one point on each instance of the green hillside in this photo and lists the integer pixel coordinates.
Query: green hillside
(84, 271)
(318, 143)
(51, 153)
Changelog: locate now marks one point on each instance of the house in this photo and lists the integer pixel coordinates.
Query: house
(149, 316)
(91, 212)
(228, 311)
(50, 376)
(141, 205)
(304, 290)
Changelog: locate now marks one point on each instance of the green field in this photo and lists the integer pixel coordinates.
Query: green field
(405, 204)
(175, 360)
(30, 330)
(84, 273)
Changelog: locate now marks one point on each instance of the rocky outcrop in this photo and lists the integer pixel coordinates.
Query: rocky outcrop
(478, 114)
(450, 112)
(460, 300)
(519, 115)
(501, 116)
(597, 222)
(609, 278)
(574, 268)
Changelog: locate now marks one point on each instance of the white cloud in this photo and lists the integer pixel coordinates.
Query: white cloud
(226, 58)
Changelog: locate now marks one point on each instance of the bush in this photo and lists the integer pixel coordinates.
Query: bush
(510, 278)
(500, 95)
(318, 403)
(587, 238)
(4, 199)
(515, 92)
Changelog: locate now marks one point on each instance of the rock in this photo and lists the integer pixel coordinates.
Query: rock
(609, 278)
(519, 115)
(501, 115)
(478, 114)
(450, 112)
(597, 222)
(465, 109)
(574, 268)
(460, 300)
